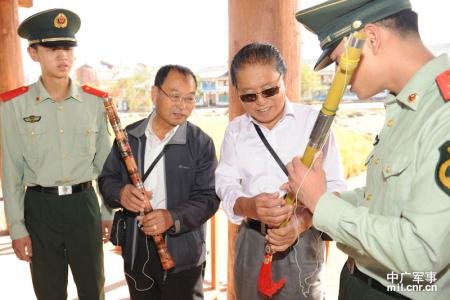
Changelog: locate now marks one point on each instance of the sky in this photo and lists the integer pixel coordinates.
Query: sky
(188, 32)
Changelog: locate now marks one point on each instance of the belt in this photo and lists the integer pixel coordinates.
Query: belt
(351, 266)
(262, 228)
(256, 225)
(62, 189)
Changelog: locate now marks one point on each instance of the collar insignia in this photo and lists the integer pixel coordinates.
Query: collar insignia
(443, 81)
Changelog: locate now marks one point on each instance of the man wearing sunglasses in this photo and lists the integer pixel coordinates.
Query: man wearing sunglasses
(249, 177)
(182, 191)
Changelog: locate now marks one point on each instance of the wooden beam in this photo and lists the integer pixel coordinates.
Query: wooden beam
(266, 21)
(262, 21)
(214, 279)
(11, 75)
(25, 3)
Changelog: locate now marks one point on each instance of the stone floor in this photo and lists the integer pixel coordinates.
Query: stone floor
(15, 280)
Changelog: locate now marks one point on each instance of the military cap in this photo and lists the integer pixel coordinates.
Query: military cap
(51, 28)
(332, 20)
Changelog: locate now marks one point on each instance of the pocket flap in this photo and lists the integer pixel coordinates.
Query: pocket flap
(87, 130)
(396, 165)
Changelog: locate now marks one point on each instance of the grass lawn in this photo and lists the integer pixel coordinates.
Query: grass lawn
(353, 146)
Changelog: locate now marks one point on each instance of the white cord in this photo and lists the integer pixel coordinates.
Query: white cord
(117, 231)
(346, 69)
(306, 288)
(143, 269)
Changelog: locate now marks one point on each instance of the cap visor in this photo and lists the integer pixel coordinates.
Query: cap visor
(324, 59)
(59, 44)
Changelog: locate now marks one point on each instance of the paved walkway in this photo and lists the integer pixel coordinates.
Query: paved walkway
(15, 279)
(16, 283)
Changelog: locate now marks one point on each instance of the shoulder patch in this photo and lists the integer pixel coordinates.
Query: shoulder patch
(6, 96)
(93, 91)
(443, 168)
(443, 81)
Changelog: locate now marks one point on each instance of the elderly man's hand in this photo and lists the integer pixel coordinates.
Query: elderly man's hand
(132, 198)
(271, 209)
(156, 222)
(282, 238)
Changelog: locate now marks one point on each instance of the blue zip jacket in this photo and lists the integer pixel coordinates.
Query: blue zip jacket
(190, 162)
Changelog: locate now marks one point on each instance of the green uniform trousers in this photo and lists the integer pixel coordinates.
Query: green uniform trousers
(65, 231)
(353, 288)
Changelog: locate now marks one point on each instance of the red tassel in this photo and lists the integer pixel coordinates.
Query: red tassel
(265, 284)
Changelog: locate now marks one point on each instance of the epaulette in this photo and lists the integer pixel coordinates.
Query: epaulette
(6, 96)
(93, 91)
(443, 82)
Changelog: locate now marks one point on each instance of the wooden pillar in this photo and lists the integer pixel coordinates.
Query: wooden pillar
(266, 21)
(214, 279)
(11, 68)
(11, 75)
(269, 21)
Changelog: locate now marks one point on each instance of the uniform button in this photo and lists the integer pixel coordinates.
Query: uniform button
(66, 180)
(37, 98)
(369, 197)
(65, 156)
(412, 98)
(388, 169)
(61, 107)
(88, 131)
(390, 123)
(356, 24)
(61, 130)
(32, 132)
(377, 161)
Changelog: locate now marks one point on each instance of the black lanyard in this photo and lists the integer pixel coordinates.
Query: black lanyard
(155, 161)
(274, 154)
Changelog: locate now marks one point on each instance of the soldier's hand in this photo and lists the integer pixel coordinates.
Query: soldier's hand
(282, 238)
(309, 187)
(23, 249)
(106, 230)
(132, 198)
(156, 222)
(270, 208)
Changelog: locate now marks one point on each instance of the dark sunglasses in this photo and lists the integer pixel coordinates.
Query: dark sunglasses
(267, 93)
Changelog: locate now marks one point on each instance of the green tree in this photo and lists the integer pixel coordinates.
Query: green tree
(309, 82)
(135, 89)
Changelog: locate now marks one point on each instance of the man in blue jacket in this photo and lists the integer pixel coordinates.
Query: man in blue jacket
(180, 184)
